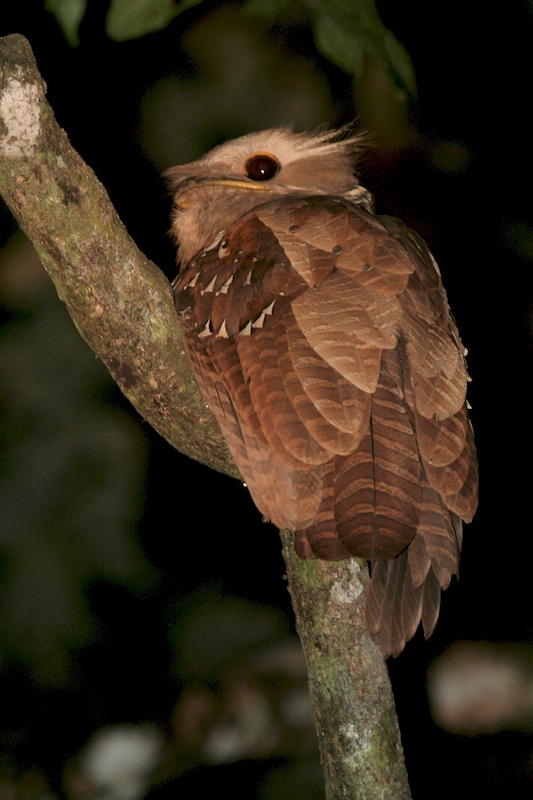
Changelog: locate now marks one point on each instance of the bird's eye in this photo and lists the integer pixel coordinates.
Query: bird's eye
(261, 167)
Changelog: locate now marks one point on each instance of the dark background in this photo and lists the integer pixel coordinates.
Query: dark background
(91, 626)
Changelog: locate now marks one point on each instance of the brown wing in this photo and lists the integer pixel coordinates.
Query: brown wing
(322, 339)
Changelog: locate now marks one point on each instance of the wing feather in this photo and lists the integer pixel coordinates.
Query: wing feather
(323, 342)
(334, 410)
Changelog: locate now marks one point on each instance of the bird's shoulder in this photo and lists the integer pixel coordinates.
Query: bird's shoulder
(295, 242)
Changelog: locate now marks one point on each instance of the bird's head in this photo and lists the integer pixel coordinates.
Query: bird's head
(210, 194)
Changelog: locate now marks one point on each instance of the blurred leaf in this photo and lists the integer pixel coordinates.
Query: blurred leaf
(400, 61)
(69, 14)
(71, 484)
(267, 9)
(348, 30)
(130, 19)
(342, 43)
(210, 631)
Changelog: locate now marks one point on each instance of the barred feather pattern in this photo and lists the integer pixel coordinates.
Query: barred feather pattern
(321, 337)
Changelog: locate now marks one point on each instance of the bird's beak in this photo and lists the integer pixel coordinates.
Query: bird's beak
(236, 182)
(188, 185)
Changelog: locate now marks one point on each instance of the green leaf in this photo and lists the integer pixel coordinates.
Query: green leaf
(400, 62)
(130, 19)
(346, 31)
(69, 14)
(339, 40)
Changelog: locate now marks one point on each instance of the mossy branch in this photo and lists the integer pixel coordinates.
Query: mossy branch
(122, 305)
(120, 302)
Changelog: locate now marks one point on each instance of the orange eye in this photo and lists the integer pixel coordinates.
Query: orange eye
(262, 167)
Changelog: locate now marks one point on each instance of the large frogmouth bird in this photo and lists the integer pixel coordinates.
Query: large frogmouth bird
(321, 337)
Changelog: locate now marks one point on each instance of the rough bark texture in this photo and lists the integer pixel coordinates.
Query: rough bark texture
(122, 306)
(354, 708)
(120, 302)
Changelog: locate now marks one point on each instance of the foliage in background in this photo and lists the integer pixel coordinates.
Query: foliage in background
(71, 487)
(69, 14)
(345, 31)
(126, 19)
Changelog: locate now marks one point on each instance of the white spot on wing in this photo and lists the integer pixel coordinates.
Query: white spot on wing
(259, 321)
(192, 282)
(224, 288)
(206, 331)
(223, 331)
(211, 286)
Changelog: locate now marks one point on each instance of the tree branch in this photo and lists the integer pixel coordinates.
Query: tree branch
(355, 715)
(122, 306)
(120, 301)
